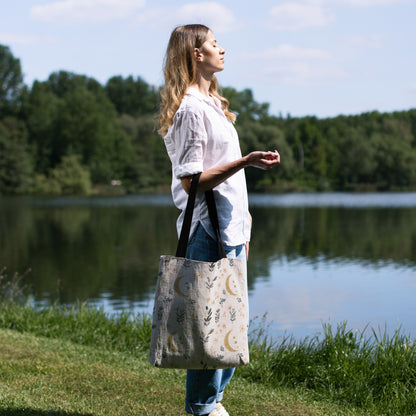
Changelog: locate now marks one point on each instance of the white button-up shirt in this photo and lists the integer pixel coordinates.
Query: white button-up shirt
(200, 138)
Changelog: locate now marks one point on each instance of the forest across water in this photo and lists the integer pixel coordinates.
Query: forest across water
(71, 135)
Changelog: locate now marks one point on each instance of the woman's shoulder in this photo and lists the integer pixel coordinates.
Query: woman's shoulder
(190, 107)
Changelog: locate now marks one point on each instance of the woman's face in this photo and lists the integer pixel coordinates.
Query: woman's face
(210, 56)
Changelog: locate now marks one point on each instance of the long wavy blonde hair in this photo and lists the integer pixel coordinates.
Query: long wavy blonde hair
(180, 72)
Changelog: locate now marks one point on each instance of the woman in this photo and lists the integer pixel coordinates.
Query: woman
(200, 137)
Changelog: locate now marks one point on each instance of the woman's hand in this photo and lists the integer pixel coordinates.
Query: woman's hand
(263, 160)
(247, 249)
(211, 178)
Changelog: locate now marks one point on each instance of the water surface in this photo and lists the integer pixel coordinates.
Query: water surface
(313, 258)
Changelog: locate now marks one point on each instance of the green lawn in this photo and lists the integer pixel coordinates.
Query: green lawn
(47, 376)
(82, 361)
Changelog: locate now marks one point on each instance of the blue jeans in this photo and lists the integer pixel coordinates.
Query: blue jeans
(204, 388)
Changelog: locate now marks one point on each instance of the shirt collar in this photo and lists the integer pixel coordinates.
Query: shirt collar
(195, 93)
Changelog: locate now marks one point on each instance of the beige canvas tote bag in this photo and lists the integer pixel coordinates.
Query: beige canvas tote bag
(200, 311)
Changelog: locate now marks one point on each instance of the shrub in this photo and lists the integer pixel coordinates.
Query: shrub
(68, 178)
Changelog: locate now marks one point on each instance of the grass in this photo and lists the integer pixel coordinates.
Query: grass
(81, 361)
(44, 376)
(376, 373)
(11, 288)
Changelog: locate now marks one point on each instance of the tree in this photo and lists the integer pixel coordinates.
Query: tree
(312, 148)
(11, 81)
(68, 178)
(87, 126)
(354, 160)
(396, 161)
(16, 168)
(243, 103)
(132, 96)
(149, 166)
(41, 111)
(62, 82)
(260, 136)
(71, 114)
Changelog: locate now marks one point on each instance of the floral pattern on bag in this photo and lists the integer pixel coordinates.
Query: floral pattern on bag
(200, 314)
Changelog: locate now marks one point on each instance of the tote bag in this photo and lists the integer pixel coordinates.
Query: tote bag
(200, 314)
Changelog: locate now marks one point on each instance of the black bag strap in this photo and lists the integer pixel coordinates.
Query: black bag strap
(187, 221)
(212, 210)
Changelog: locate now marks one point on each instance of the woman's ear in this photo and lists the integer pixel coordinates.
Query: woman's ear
(198, 55)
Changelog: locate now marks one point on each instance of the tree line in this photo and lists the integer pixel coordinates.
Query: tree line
(71, 135)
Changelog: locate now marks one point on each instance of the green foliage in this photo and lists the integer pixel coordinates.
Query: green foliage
(149, 166)
(132, 96)
(72, 177)
(375, 373)
(44, 377)
(113, 130)
(253, 136)
(395, 159)
(86, 124)
(41, 113)
(243, 103)
(372, 372)
(81, 324)
(71, 114)
(354, 158)
(12, 290)
(11, 81)
(45, 186)
(68, 178)
(16, 166)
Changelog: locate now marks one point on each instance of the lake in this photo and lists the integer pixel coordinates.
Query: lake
(314, 258)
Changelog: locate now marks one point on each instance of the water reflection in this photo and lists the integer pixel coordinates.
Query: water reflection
(300, 295)
(341, 257)
(359, 234)
(79, 252)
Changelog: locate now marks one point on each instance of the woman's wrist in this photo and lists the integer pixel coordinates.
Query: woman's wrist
(245, 162)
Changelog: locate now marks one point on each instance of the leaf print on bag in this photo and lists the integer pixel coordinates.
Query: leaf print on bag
(210, 284)
(205, 338)
(217, 315)
(160, 313)
(187, 263)
(233, 315)
(166, 300)
(180, 316)
(207, 319)
(191, 325)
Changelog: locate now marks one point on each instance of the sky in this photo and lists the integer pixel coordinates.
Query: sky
(303, 57)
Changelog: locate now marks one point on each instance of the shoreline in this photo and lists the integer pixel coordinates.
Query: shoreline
(344, 370)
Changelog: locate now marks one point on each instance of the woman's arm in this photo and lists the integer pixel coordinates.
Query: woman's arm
(211, 178)
(248, 242)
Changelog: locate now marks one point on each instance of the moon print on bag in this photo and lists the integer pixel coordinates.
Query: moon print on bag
(176, 287)
(227, 342)
(171, 344)
(227, 286)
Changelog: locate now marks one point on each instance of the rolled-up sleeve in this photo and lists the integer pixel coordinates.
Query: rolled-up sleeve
(190, 139)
